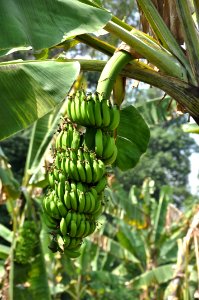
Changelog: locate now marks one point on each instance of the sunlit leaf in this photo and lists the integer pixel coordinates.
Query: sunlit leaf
(42, 24)
(29, 90)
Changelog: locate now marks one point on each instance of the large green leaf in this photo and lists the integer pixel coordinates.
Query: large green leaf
(158, 275)
(42, 24)
(132, 140)
(29, 90)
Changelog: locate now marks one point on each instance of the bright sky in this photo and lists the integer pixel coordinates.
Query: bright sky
(193, 180)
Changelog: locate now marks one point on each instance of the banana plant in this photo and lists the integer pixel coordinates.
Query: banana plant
(47, 81)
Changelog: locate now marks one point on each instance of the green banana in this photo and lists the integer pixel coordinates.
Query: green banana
(68, 107)
(74, 203)
(66, 240)
(77, 106)
(99, 142)
(105, 113)
(70, 134)
(92, 227)
(72, 254)
(88, 171)
(51, 179)
(92, 200)
(101, 184)
(68, 218)
(90, 111)
(84, 113)
(87, 202)
(76, 140)
(72, 111)
(96, 171)
(61, 190)
(62, 209)
(63, 226)
(87, 229)
(64, 140)
(82, 201)
(56, 173)
(67, 199)
(111, 159)
(108, 147)
(98, 114)
(58, 144)
(81, 171)
(73, 228)
(49, 221)
(75, 244)
(115, 118)
(54, 212)
(81, 229)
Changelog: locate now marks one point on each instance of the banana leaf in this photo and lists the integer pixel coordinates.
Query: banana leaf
(38, 87)
(43, 24)
(6, 233)
(132, 138)
(157, 276)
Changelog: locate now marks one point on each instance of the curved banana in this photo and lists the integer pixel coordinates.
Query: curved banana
(62, 209)
(71, 253)
(99, 142)
(87, 229)
(102, 183)
(67, 200)
(90, 111)
(74, 203)
(98, 114)
(68, 107)
(82, 201)
(115, 118)
(81, 171)
(76, 140)
(81, 229)
(111, 159)
(108, 147)
(106, 118)
(66, 240)
(73, 228)
(63, 226)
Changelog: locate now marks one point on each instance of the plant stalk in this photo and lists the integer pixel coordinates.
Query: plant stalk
(110, 72)
(150, 50)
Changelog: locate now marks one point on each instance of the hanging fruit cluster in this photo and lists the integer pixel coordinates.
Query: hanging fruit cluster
(77, 178)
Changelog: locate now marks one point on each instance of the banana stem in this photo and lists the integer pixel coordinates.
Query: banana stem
(110, 72)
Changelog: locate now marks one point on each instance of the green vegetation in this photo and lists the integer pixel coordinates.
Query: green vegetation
(144, 241)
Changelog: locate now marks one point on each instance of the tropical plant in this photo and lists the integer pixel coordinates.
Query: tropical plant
(33, 91)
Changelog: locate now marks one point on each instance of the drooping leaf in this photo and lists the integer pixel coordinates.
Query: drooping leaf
(4, 251)
(29, 90)
(132, 140)
(42, 24)
(6, 233)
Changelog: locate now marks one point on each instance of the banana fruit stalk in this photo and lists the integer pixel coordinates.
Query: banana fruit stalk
(77, 177)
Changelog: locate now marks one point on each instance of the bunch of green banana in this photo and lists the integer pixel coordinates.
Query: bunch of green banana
(92, 110)
(77, 177)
